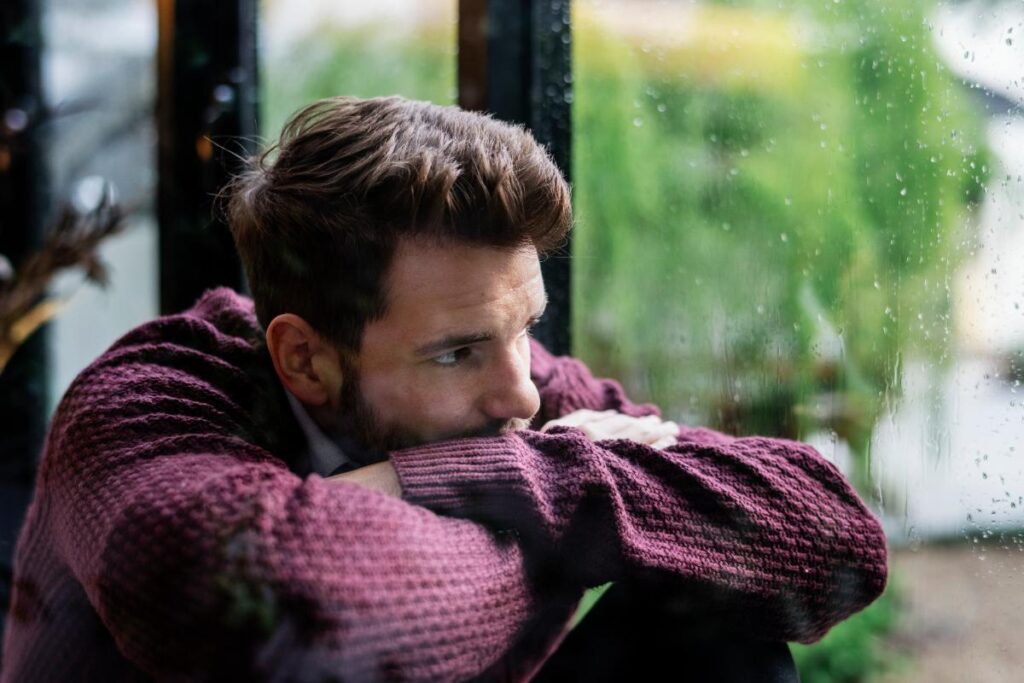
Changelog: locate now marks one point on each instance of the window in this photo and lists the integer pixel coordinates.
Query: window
(803, 219)
(99, 67)
(316, 48)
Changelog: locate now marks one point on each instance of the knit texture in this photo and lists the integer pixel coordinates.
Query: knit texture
(173, 533)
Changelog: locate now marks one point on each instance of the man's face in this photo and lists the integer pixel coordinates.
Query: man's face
(451, 358)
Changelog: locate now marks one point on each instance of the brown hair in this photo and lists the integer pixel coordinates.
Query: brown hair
(317, 217)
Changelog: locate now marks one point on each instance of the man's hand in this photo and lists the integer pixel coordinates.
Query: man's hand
(380, 476)
(609, 424)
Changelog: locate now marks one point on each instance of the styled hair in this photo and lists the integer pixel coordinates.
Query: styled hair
(317, 217)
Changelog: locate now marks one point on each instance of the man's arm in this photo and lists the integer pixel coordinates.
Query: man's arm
(762, 532)
(202, 553)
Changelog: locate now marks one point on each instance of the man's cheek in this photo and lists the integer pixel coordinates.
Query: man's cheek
(443, 414)
(441, 410)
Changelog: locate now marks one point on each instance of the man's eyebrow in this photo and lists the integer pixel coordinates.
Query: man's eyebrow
(450, 342)
(456, 340)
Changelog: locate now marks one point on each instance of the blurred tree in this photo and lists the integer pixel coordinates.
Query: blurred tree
(776, 198)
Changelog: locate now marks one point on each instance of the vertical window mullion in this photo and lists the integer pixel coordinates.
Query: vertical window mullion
(207, 118)
(24, 186)
(515, 62)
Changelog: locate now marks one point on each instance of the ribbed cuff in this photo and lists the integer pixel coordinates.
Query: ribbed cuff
(455, 476)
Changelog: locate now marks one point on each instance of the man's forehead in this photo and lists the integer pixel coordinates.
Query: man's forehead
(458, 275)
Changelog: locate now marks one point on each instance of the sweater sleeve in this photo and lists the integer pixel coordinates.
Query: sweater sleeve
(763, 534)
(205, 557)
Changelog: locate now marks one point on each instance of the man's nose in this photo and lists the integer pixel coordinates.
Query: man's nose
(510, 392)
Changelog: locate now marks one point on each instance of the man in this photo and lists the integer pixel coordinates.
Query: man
(362, 475)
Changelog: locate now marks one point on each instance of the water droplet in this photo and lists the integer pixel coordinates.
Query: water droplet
(16, 120)
(638, 122)
(223, 94)
(90, 192)
(784, 237)
(903, 192)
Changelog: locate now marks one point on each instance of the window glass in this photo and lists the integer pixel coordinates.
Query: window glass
(803, 219)
(318, 48)
(99, 82)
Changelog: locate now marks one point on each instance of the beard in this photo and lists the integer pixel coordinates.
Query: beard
(368, 438)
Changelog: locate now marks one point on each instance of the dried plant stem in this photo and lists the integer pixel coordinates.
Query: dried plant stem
(73, 242)
(36, 317)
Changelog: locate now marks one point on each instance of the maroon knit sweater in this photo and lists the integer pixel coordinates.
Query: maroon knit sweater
(173, 533)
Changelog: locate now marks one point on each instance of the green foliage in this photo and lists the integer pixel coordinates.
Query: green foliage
(764, 230)
(590, 598)
(369, 60)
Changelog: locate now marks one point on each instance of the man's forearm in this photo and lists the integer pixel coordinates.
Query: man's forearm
(741, 523)
(762, 529)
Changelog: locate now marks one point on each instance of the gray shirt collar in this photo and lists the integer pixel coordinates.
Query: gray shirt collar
(325, 456)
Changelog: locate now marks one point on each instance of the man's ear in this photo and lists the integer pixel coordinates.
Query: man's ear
(307, 365)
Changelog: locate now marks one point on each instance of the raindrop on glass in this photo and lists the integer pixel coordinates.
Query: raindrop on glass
(16, 120)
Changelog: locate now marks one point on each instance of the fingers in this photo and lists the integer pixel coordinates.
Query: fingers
(617, 423)
(610, 424)
(579, 418)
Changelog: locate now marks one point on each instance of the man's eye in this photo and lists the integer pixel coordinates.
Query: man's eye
(452, 357)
